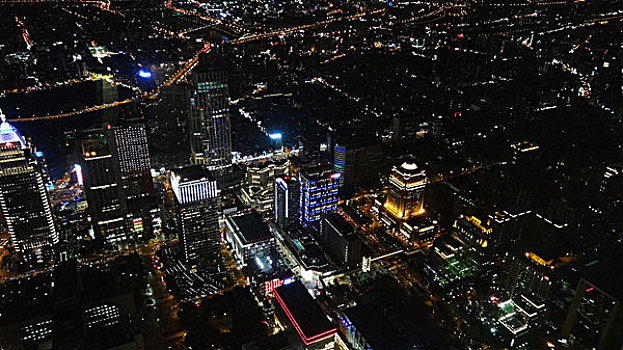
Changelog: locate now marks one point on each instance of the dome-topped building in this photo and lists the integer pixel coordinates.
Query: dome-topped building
(405, 197)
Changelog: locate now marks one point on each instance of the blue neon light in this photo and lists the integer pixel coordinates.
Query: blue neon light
(144, 73)
(39, 154)
(275, 136)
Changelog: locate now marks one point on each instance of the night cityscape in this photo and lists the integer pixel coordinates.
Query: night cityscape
(311, 175)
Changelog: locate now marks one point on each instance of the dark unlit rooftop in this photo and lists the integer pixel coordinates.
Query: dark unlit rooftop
(308, 319)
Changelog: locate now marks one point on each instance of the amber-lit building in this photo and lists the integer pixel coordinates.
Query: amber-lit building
(405, 197)
(402, 213)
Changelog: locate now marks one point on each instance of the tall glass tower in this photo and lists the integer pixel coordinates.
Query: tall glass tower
(210, 125)
(23, 196)
(103, 187)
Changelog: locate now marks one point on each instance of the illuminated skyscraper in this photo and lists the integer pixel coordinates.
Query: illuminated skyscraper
(286, 201)
(132, 152)
(197, 201)
(23, 196)
(318, 193)
(210, 127)
(405, 197)
(134, 163)
(103, 187)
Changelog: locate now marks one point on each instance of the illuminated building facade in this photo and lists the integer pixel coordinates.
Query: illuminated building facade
(103, 187)
(249, 237)
(417, 232)
(23, 196)
(134, 162)
(210, 125)
(402, 212)
(132, 152)
(286, 202)
(259, 193)
(198, 204)
(318, 193)
(263, 175)
(473, 231)
(405, 197)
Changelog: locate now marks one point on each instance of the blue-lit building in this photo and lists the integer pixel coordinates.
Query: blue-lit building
(339, 160)
(318, 193)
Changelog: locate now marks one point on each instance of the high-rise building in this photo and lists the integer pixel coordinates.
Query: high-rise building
(132, 152)
(198, 203)
(339, 161)
(134, 162)
(251, 241)
(338, 238)
(595, 319)
(405, 197)
(210, 126)
(318, 193)
(23, 196)
(286, 201)
(259, 193)
(357, 159)
(103, 187)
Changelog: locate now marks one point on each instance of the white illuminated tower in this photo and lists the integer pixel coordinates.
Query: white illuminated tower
(197, 202)
(23, 196)
(132, 150)
(286, 201)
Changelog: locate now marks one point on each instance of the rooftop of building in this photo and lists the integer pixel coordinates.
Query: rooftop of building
(302, 310)
(405, 315)
(8, 133)
(269, 163)
(267, 268)
(599, 272)
(249, 226)
(409, 168)
(316, 171)
(420, 221)
(371, 324)
(211, 62)
(288, 180)
(279, 341)
(193, 173)
(307, 249)
(540, 235)
(344, 228)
